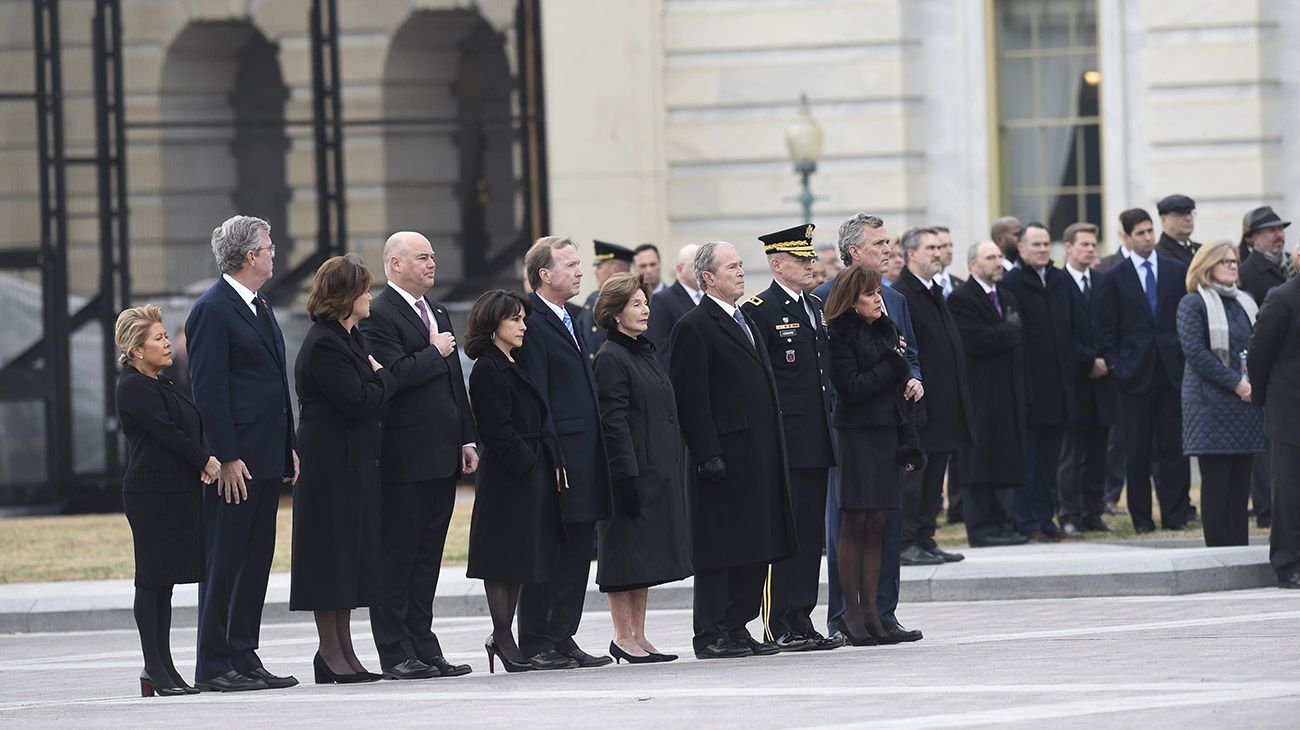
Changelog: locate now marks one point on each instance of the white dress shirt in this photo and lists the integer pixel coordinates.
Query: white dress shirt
(802, 302)
(1078, 275)
(561, 313)
(411, 300)
(248, 295)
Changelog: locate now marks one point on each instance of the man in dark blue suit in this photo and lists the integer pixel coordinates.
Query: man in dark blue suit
(1081, 478)
(554, 356)
(1047, 310)
(238, 372)
(793, 333)
(669, 305)
(864, 240)
(1139, 341)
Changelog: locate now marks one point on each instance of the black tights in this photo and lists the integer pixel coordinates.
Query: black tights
(859, 568)
(153, 618)
(503, 598)
(334, 641)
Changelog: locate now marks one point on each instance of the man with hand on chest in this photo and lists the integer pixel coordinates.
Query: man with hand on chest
(794, 335)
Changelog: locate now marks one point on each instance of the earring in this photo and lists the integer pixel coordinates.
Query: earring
(494, 336)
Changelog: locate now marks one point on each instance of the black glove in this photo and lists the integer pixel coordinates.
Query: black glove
(626, 499)
(713, 470)
(910, 455)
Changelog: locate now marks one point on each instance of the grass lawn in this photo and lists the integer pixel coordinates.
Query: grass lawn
(95, 547)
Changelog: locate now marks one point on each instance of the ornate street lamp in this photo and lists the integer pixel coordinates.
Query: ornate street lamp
(803, 139)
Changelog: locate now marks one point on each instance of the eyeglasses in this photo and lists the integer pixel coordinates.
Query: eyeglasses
(260, 249)
(1229, 262)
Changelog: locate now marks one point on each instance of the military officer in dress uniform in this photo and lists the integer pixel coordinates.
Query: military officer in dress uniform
(794, 335)
(610, 259)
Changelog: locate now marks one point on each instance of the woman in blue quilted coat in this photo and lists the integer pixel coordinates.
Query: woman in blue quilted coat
(1220, 427)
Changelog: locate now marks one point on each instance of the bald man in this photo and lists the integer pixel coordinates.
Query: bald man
(669, 305)
(428, 444)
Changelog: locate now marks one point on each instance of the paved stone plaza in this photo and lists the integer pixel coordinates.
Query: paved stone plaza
(1227, 659)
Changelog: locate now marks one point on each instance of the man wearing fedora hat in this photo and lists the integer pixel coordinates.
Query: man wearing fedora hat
(1177, 221)
(1266, 235)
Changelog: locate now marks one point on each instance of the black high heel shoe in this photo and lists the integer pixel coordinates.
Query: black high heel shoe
(149, 688)
(858, 639)
(324, 675)
(494, 652)
(663, 657)
(622, 656)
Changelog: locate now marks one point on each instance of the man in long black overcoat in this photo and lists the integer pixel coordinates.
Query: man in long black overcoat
(731, 421)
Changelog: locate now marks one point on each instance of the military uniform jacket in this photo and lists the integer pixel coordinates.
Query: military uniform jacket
(592, 334)
(801, 367)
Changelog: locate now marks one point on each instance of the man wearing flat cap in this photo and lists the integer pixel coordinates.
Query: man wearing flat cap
(1266, 235)
(610, 259)
(794, 336)
(1177, 221)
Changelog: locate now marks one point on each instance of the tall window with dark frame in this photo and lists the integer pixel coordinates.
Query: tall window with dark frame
(1049, 125)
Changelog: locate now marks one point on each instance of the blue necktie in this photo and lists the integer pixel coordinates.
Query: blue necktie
(568, 324)
(740, 320)
(1151, 286)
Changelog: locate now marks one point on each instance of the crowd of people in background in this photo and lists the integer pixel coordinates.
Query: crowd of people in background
(669, 431)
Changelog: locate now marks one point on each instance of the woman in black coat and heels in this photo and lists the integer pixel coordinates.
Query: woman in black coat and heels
(875, 436)
(342, 391)
(516, 527)
(647, 540)
(167, 466)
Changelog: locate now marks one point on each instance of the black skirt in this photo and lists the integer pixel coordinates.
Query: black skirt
(167, 529)
(868, 471)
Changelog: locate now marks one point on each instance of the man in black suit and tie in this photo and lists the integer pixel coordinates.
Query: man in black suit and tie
(610, 259)
(1051, 355)
(988, 317)
(945, 278)
(1274, 366)
(1136, 312)
(794, 333)
(428, 444)
(1081, 478)
(956, 466)
(239, 376)
(731, 421)
(1177, 221)
(555, 357)
(669, 305)
(948, 423)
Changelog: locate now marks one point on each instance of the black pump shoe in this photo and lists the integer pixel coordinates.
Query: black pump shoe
(494, 652)
(148, 688)
(622, 656)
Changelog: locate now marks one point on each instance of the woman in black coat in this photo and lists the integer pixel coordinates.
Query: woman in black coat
(167, 466)
(516, 528)
(647, 540)
(875, 436)
(336, 505)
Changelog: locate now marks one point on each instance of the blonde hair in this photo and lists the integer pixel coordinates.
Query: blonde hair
(132, 328)
(614, 295)
(1206, 258)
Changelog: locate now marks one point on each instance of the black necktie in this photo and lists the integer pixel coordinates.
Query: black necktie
(264, 317)
(1087, 289)
(936, 291)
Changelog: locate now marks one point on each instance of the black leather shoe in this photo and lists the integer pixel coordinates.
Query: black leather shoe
(585, 660)
(1096, 524)
(231, 681)
(446, 668)
(411, 668)
(552, 659)
(1289, 581)
(823, 643)
(756, 647)
(946, 556)
(794, 642)
(272, 681)
(917, 555)
(1070, 529)
(1177, 528)
(1014, 538)
(723, 648)
(897, 631)
(1143, 528)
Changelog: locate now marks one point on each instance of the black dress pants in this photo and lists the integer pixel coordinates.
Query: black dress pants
(725, 601)
(1158, 411)
(1082, 475)
(1284, 536)
(1225, 488)
(239, 543)
(415, 520)
(792, 586)
(549, 613)
(984, 510)
(922, 498)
